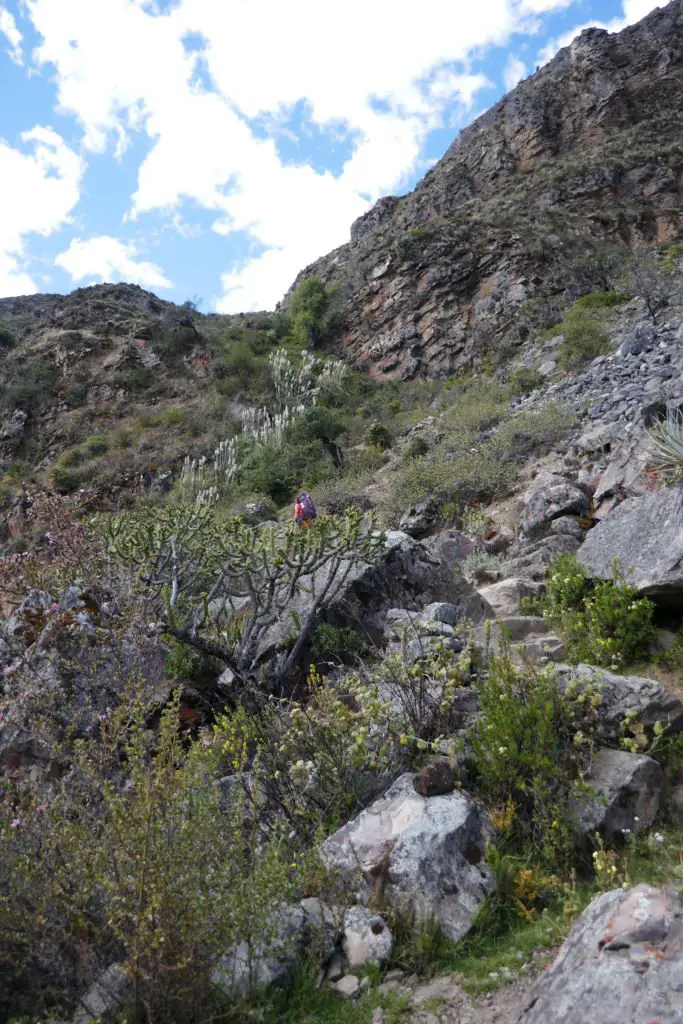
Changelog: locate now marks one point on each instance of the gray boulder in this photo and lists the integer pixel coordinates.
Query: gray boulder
(367, 938)
(425, 856)
(640, 340)
(645, 535)
(420, 518)
(620, 695)
(270, 961)
(624, 793)
(621, 964)
(550, 497)
(106, 998)
(504, 597)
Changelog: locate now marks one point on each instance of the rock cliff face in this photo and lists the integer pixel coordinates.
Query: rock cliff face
(586, 151)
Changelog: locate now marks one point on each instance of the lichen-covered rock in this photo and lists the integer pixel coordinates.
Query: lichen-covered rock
(645, 535)
(367, 937)
(621, 964)
(425, 856)
(623, 795)
(645, 698)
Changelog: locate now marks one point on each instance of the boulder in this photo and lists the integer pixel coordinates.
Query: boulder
(641, 338)
(645, 536)
(269, 962)
(624, 793)
(645, 698)
(438, 776)
(420, 518)
(504, 597)
(425, 856)
(550, 500)
(367, 938)
(106, 998)
(621, 964)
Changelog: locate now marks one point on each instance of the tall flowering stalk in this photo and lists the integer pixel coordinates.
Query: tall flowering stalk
(296, 388)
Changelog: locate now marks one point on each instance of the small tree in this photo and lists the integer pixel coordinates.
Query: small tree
(309, 305)
(653, 279)
(223, 586)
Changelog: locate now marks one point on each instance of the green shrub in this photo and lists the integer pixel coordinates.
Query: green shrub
(267, 470)
(132, 860)
(599, 299)
(32, 386)
(584, 337)
(523, 749)
(308, 307)
(525, 379)
(379, 436)
(97, 444)
(604, 622)
(141, 378)
(6, 337)
(417, 447)
(240, 369)
(67, 480)
(336, 642)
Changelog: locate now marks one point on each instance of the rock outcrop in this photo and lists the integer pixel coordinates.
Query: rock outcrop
(623, 961)
(645, 537)
(586, 146)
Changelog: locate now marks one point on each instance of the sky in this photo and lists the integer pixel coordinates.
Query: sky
(210, 149)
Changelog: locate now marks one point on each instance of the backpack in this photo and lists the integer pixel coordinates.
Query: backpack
(307, 506)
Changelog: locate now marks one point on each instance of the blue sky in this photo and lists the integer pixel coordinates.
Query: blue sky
(212, 148)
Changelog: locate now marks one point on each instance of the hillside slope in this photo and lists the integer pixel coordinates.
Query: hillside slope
(587, 151)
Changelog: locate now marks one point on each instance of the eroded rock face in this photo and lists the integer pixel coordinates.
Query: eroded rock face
(621, 964)
(424, 289)
(426, 856)
(645, 536)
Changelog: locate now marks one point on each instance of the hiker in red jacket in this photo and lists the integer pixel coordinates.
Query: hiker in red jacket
(304, 509)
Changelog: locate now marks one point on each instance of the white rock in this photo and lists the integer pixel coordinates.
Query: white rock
(427, 855)
(367, 938)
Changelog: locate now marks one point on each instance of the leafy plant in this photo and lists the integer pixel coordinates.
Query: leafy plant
(584, 337)
(603, 622)
(336, 642)
(202, 572)
(133, 861)
(379, 435)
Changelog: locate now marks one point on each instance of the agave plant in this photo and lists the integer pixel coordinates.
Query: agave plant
(666, 445)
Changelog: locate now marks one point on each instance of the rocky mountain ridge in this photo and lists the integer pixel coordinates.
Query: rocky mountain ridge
(587, 151)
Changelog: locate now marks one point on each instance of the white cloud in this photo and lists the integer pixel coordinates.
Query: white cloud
(262, 58)
(633, 12)
(108, 259)
(515, 70)
(40, 187)
(8, 28)
(381, 81)
(544, 6)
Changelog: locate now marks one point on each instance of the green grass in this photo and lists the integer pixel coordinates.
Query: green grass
(305, 1003)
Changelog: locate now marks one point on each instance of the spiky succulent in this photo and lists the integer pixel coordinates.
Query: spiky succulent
(665, 442)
